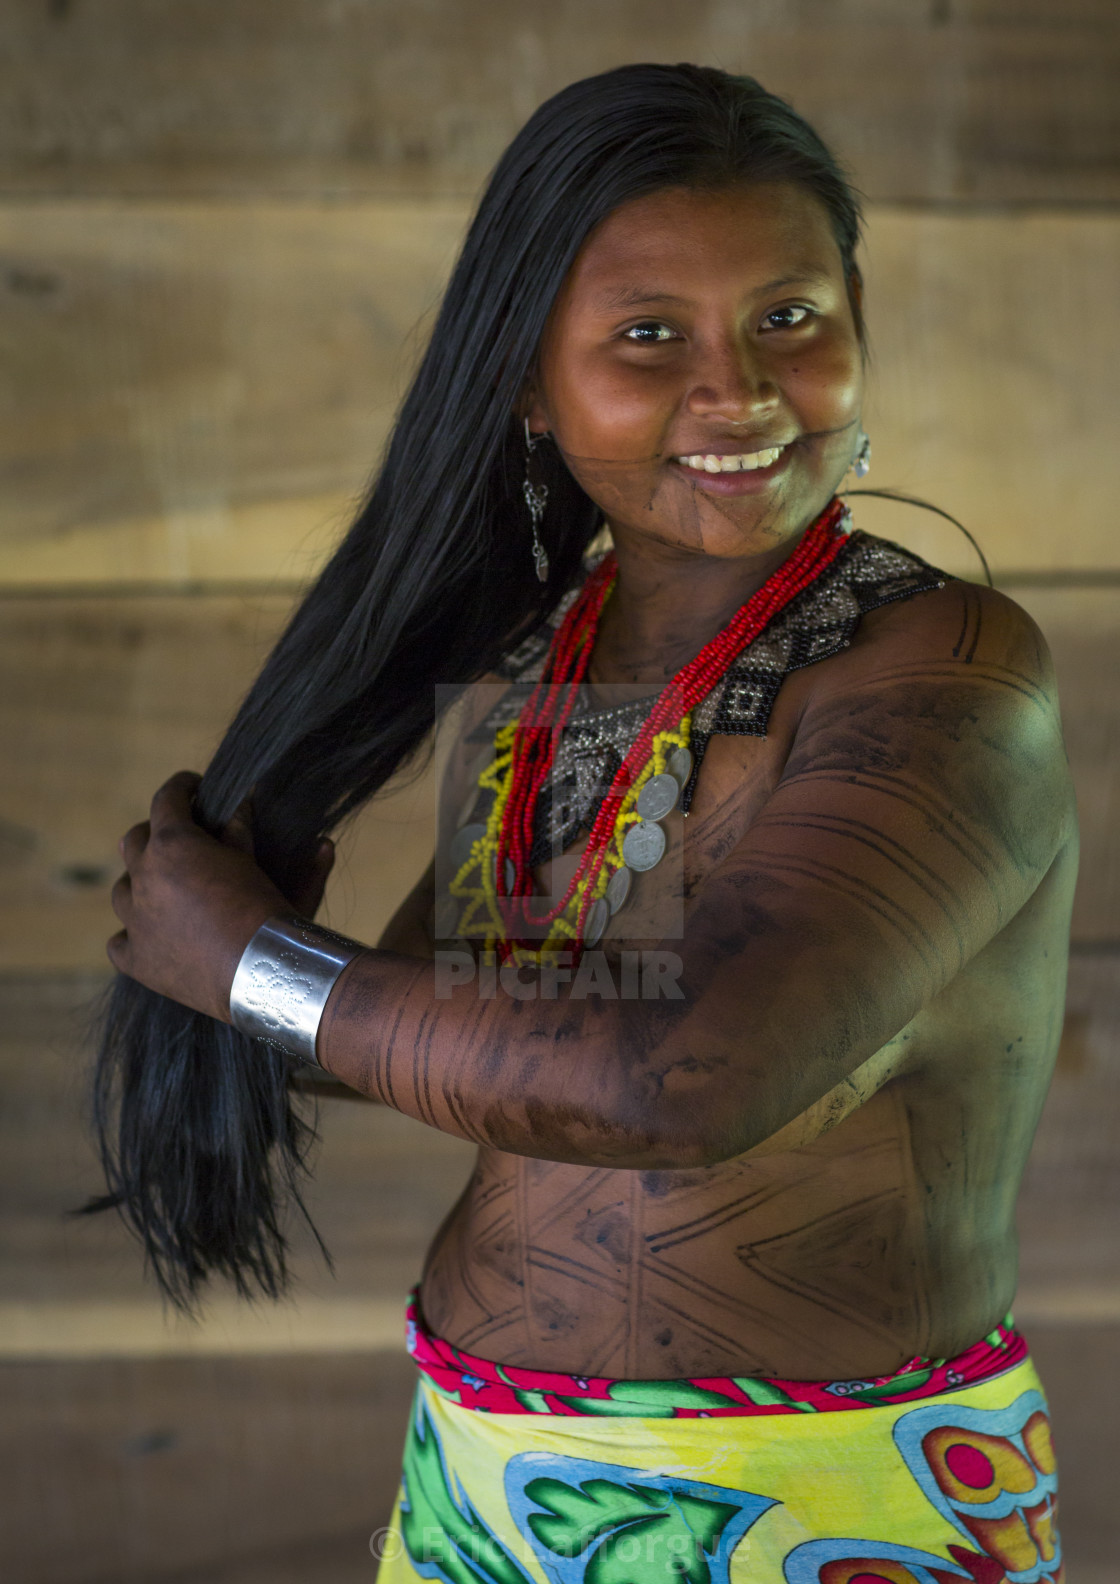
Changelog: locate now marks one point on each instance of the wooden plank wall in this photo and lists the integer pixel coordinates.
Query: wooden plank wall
(930, 100)
(223, 226)
(222, 232)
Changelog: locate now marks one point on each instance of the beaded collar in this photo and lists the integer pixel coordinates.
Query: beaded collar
(867, 573)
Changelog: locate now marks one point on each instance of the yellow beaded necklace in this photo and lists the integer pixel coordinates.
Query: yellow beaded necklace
(475, 881)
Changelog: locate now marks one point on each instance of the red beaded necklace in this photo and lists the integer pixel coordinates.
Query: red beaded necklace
(552, 700)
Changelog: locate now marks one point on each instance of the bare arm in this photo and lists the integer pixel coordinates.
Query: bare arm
(925, 798)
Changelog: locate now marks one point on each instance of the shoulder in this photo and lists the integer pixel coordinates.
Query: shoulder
(901, 595)
(960, 634)
(922, 637)
(966, 624)
(957, 686)
(952, 650)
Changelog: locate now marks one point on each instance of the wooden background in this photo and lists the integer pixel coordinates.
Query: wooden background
(223, 227)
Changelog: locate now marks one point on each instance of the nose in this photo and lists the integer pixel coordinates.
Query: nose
(731, 383)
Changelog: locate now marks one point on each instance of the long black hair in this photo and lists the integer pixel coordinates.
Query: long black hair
(432, 584)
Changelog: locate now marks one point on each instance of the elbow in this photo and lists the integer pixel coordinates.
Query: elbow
(695, 1138)
(692, 1106)
(668, 1124)
(673, 1143)
(634, 1136)
(650, 1105)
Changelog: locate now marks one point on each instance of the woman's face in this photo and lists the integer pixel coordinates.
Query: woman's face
(699, 330)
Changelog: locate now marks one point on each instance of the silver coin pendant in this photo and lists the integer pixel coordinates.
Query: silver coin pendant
(595, 923)
(618, 888)
(680, 765)
(643, 846)
(658, 797)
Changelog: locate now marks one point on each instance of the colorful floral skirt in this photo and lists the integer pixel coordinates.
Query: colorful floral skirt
(942, 1471)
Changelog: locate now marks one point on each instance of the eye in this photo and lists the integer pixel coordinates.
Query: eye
(787, 318)
(651, 332)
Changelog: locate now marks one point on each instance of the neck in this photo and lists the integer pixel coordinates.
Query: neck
(667, 603)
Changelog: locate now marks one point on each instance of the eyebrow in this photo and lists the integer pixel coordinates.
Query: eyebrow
(638, 297)
(811, 275)
(622, 297)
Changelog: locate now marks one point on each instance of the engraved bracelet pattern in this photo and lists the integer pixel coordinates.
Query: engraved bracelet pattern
(285, 975)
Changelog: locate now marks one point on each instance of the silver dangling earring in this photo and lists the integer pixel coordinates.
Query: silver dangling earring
(861, 467)
(536, 498)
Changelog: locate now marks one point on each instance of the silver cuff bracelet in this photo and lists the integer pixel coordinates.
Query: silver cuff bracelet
(285, 975)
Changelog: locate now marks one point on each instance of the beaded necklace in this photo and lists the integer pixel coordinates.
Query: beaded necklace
(495, 879)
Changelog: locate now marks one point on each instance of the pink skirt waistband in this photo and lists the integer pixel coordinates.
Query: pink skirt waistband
(496, 1388)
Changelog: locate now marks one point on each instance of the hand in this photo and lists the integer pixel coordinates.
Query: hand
(190, 903)
(308, 898)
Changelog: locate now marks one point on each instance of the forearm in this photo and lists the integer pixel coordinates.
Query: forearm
(580, 1081)
(767, 1016)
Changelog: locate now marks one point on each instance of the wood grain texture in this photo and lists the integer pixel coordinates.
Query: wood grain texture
(990, 100)
(1080, 626)
(217, 1469)
(183, 363)
(200, 390)
(993, 387)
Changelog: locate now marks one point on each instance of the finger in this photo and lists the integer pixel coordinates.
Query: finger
(133, 842)
(120, 898)
(172, 803)
(118, 952)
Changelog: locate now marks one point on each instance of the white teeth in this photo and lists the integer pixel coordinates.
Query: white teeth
(742, 463)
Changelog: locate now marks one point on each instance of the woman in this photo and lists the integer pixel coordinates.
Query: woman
(725, 1297)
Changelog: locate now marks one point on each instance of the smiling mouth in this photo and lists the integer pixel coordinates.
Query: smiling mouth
(740, 462)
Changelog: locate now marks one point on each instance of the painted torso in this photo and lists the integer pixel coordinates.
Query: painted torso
(875, 1226)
